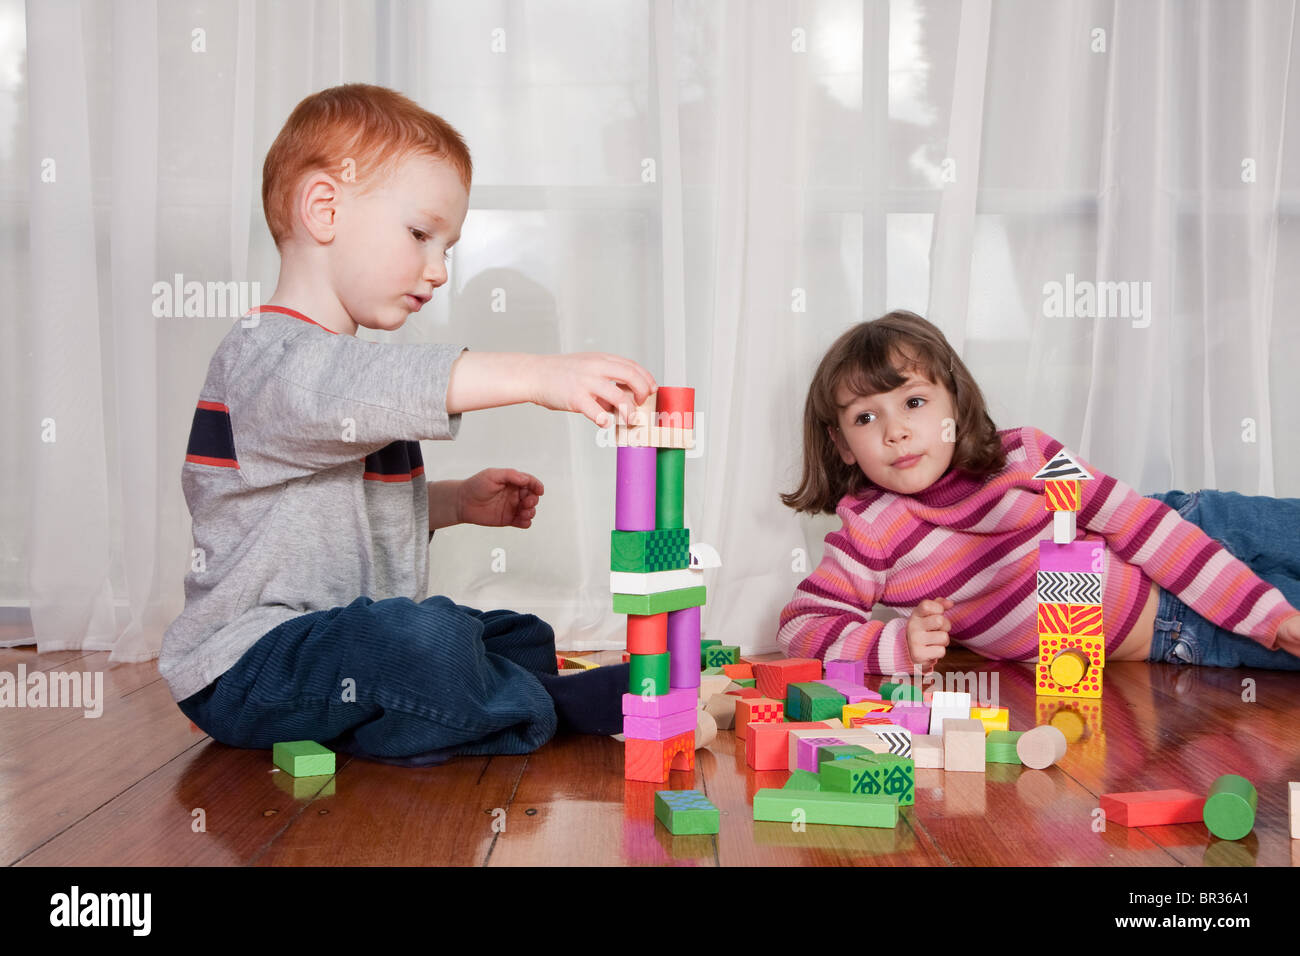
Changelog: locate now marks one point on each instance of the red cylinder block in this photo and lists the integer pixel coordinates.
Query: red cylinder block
(647, 633)
(675, 407)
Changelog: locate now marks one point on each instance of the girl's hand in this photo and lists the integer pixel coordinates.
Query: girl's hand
(593, 384)
(927, 632)
(1288, 635)
(498, 497)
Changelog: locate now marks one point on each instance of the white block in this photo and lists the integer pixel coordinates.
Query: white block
(944, 704)
(654, 582)
(1064, 526)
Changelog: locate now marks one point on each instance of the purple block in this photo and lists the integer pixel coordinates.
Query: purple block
(664, 705)
(915, 718)
(634, 495)
(659, 728)
(1075, 556)
(806, 751)
(684, 647)
(850, 671)
(852, 692)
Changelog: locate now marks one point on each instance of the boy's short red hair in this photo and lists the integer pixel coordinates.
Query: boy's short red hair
(372, 126)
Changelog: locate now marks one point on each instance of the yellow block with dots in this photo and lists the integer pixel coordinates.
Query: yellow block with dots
(993, 718)
(1069, 666)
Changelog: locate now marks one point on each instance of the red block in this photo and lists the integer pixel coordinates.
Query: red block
(766, 745)
(651, 760)
(773, 676)
(738, 671)
(647, 633)
(744, 692)
(1152, 808)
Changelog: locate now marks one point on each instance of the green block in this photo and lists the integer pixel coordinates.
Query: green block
(855, 775)
(663, 550)
(658, 603)
(811, 700)
(303, 758)
(1000, 746)
(840, 752)
(803, 780)
(651, 667)
(891, 693)
(704, 649)
(899, 778)
(686, 811)
(1229, 811)
(709, 671)
(670, 487)
(745, 681)
(818, 806)
(722, 655)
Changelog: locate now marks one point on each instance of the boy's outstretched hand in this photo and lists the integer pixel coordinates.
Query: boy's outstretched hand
(498, 497)
(1288, 635)
(927, 632)
(593, 384)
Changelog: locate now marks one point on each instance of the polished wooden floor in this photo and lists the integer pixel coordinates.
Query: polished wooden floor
(140, 785)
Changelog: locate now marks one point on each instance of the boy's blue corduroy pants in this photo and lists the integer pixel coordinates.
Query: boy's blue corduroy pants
(394, 680)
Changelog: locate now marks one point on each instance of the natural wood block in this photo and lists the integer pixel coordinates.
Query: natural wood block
(1041, 747)
(963, 745)
(927, 751)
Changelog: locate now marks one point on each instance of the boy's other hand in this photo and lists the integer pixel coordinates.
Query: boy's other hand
(593, 384)
(499, 498)
(927, 632)
(1288, 635)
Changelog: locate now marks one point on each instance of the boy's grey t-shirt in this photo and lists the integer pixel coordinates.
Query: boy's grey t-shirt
(304, 482)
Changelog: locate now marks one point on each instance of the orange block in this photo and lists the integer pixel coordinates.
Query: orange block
(766, 745)
(757, 710)
(773, 676)
(1062, 495)
(647, 633)
(737, 671)
(651, 760)
(867, 721)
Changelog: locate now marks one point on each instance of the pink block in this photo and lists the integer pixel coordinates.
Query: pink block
(673, 702)
(915, 718)
(850, 671)
(684, 648)
(1075, 556)
(659, 728)
(853, 692)
(806, 751)
(634, 495)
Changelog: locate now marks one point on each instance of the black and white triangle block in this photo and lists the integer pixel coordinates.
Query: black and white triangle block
(900, 742)
(1069, 587)
(1062, 467)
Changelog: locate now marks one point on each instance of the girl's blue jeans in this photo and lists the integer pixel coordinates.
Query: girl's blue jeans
(1261, 532)
(393, 680)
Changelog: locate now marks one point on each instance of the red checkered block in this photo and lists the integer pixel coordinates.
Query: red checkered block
(651, 760)
(757, 710)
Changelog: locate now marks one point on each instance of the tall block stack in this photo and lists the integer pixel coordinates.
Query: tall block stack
(1071, 645)
(653, 583)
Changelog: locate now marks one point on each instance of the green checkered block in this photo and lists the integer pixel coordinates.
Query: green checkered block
(686, 811)
(811, 700)
(722, 655)
(803, 780)
(658, 603)
(303, 758)
(818, 806)
(666, 549)
(890, 693)
(651, 667)
(1000, 746)
(704, 650)
(892, 776)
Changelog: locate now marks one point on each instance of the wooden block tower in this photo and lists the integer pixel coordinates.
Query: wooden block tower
(1071, 645)
(654, 584)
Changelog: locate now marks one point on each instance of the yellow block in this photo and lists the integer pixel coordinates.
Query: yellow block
(1069, 666)
(993, 718)
(862, 709)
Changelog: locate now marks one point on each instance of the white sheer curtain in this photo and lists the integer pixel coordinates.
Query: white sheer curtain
(716, 189)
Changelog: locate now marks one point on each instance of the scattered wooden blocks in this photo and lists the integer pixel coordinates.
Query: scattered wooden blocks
(303, 758)
(1152, 808)
(818, 806)
(1229, 811)
(686, 811)
(963, 744)
(1041, 747)
(722, 708)
(766, 744)
(813, 700)
(1000, 746)
(774, 676)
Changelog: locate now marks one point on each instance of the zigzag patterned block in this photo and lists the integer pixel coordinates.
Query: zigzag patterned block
(1062, 496)
(1069, 587)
